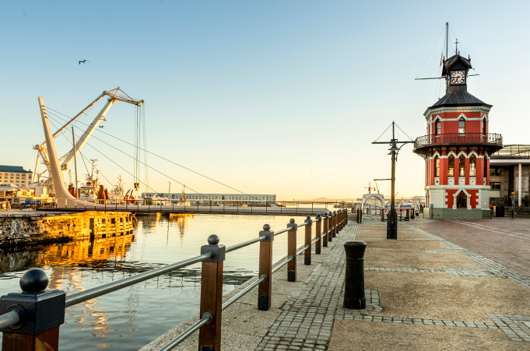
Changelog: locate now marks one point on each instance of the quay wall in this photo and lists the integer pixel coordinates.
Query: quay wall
(31, 228)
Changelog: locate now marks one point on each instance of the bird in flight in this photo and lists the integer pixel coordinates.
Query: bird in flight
(84, 61)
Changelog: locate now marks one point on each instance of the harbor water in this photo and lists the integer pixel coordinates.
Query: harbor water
(130, 318)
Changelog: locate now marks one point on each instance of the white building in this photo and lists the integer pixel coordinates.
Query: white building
(15, 175)
(216, 198)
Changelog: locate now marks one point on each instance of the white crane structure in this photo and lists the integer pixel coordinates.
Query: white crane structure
(43, 151)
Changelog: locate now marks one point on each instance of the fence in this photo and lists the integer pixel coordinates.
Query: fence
(30, 320)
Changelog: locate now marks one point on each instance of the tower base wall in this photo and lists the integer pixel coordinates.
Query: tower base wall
(459, 213)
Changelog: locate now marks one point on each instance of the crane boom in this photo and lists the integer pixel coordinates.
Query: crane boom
(76, 117)
(68, 158)
(114, 95)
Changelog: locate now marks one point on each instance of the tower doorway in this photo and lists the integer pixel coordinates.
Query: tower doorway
(461, 200)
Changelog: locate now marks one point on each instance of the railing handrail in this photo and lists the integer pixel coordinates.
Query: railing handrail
(245, 243)
(284, 230)
(9, 319)
(482, 138)
(79, 297)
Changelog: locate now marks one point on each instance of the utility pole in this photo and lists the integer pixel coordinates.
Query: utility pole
(394, 150)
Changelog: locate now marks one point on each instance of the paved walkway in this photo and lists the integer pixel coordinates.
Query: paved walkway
(503, 240)
(423, 293)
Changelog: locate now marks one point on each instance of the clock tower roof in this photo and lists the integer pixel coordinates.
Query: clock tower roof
(459, 98)
(456, 63)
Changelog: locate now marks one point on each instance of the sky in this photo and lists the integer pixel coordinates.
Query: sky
(274, 97)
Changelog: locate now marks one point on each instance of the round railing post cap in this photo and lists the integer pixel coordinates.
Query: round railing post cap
(34, 280)
(318, 214)
(291, 220)
(266, 227)
(308, 217)
(213, 239)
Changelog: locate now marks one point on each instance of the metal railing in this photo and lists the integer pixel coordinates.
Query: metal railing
(199, 206)
(458, 138)
(18, 315)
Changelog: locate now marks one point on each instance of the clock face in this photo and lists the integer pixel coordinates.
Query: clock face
(458, 77)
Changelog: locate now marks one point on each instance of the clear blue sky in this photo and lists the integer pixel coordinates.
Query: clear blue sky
(269, 96)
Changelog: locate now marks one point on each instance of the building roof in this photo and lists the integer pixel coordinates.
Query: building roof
(13, 169)
(459, 98)
(8, 187)
(456, 62)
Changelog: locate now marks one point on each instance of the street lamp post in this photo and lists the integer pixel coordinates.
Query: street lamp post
(394, 150)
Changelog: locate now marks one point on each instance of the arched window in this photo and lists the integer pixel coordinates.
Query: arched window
(473, 166)
(437, 165)
(484, 130)
(462, 166)
(451, 171)
(438, 127)
(461, 125)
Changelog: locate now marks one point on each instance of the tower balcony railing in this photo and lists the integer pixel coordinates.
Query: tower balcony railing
(486, 139)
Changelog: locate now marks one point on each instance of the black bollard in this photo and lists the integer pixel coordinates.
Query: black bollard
(354, 280)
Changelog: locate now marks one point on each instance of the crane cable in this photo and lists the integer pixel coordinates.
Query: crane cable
(115, 148)
(161, 157)
(106, 157)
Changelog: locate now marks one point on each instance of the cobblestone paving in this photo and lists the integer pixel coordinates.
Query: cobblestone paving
(306, 322)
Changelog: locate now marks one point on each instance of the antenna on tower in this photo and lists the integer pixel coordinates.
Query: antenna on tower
(456, 50)
(446, 40)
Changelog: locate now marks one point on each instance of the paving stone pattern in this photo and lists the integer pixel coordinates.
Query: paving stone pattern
(306, 322)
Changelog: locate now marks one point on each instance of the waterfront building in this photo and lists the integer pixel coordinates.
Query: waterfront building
(14, 194)
(510, 173)
(457, 148)
(216, 198)
(15, 175)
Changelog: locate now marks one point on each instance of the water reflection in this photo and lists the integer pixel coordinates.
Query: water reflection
(132, 317)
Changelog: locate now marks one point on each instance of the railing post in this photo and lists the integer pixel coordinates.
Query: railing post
(330, 227)
(318, 230)
(291, 250)
(335, 224)
(41, 313)
(265, 267)
(307, 253)
(325, 238)
(212, 294)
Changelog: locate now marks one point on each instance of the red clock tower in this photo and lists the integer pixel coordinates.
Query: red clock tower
(457, 148)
